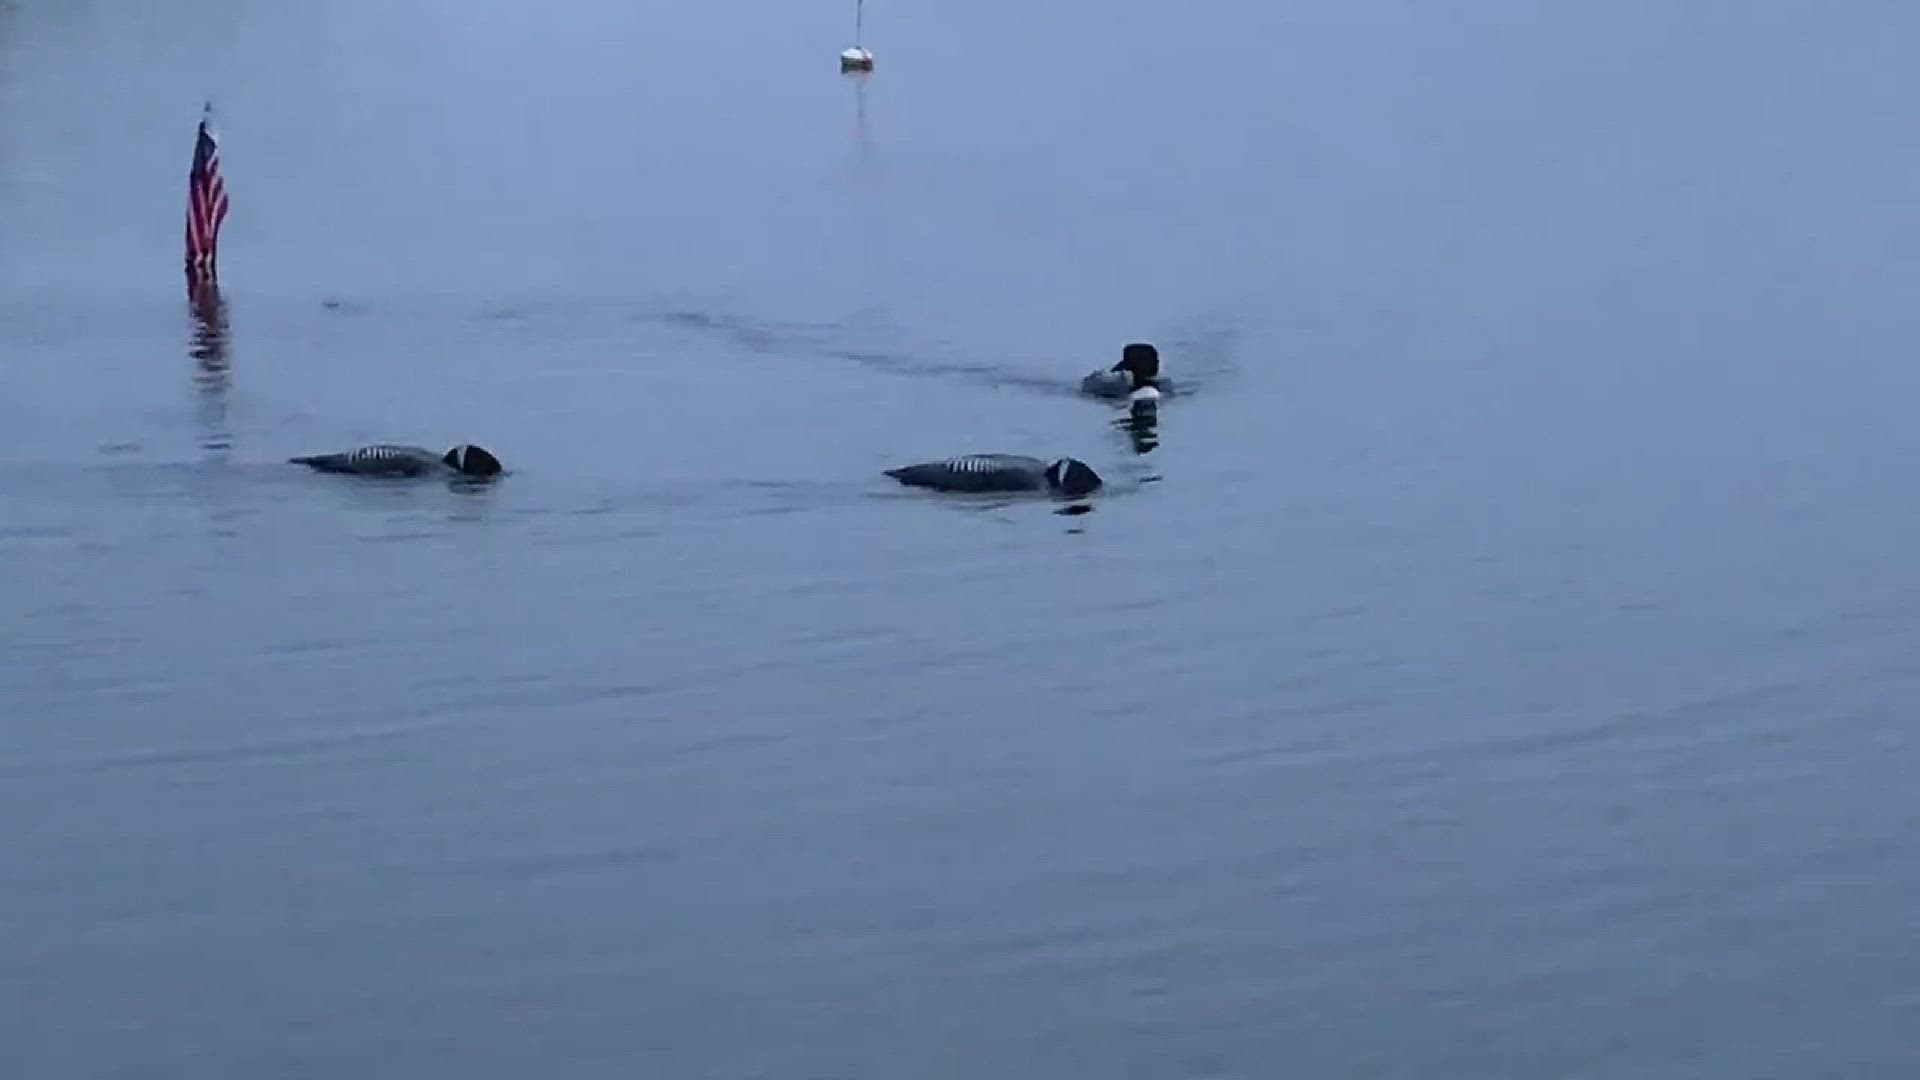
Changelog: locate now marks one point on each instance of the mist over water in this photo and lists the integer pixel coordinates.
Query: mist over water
(1495, 662)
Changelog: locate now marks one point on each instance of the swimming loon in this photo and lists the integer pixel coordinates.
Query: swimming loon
(386, 459)
(1136, 377)
(1001, 472)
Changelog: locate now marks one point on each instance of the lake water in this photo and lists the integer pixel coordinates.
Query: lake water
(1502, 666)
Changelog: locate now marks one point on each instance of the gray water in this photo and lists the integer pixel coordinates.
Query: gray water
(1501, 667)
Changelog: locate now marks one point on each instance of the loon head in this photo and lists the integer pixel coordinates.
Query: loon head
(1142, 361)
(1072, 478)
(472, 460)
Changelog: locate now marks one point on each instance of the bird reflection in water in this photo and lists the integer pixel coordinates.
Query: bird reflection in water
(1141, 425)
(212, 374)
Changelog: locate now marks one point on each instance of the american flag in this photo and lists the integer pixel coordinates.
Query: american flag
(206, 203)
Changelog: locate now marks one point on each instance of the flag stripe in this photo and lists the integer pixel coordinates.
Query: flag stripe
(206, 204)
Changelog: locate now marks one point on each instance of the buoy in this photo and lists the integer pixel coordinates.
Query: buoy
(856, 58)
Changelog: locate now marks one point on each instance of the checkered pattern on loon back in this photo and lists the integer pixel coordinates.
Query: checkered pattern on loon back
(975, 463)
(984, 464)
(381, 454)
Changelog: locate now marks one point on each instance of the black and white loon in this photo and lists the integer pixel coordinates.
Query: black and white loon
(387, 460)
(982, 473)
(1136, 377)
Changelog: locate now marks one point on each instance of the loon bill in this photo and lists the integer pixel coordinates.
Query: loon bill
(391, 460)
(981, 473)
(1136, 377)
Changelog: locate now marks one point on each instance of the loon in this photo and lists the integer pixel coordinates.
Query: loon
(388, 460)
(1136, 377)
(1001, 473)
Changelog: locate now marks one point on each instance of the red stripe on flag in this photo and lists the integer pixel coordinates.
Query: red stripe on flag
(206, 205)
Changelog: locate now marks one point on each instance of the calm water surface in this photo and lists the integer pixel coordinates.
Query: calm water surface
(1502, 666)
